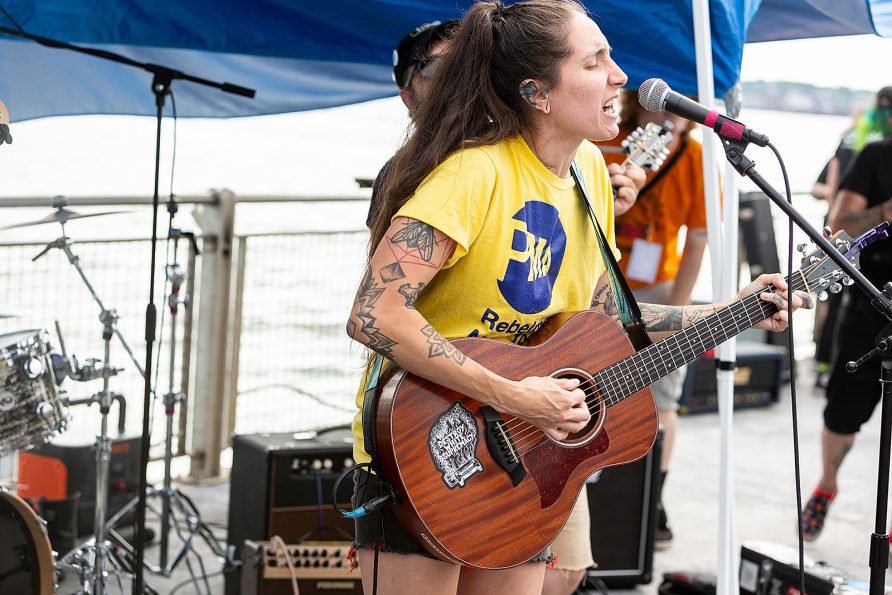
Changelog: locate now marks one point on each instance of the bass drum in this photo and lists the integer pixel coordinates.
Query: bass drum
(26, 557)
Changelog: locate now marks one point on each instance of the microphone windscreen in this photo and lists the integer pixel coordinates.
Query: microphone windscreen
(650, 94)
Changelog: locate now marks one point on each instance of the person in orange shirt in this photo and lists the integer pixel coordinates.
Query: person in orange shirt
(648, 236)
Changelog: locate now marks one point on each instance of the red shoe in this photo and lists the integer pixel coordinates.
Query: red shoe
(815, 512)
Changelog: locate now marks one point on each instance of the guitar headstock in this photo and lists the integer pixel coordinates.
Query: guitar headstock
(646, 146)
(819, 271)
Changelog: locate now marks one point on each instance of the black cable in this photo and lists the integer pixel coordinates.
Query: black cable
(792, 357)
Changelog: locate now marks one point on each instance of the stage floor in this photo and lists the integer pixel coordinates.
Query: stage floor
(765, 505)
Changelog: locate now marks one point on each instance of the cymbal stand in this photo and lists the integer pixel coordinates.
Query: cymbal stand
(176, 507)
(95, 561)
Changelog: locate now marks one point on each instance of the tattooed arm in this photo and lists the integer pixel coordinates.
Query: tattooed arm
(384, 319)
(851, 213)
(661, 321)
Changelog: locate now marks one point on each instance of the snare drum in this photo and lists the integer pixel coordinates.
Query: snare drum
(31, 411)
(26, 556)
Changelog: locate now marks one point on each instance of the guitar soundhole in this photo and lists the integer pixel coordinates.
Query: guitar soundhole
(595, 406)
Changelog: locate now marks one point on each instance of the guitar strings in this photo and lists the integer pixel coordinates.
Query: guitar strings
(753, 304)
(531, 435)
(627, 385)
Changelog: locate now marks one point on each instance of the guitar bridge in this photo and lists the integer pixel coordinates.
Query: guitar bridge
(501, 445)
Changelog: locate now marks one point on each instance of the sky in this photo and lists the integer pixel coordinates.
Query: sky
(291, 154)
(856, 61)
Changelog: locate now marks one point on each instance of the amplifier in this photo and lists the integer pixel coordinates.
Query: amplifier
(281, 485)
(79, 461)
(757, 379)
(622, 505)
(767, 568)
(318, 566)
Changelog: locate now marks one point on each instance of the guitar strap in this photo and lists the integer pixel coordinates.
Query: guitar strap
(369, 410)
(629, 312)
(682, 145)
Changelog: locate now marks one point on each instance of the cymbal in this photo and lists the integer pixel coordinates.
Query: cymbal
(61, 215)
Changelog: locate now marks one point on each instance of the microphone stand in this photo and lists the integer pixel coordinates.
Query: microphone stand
(882, 301)
(162, 78)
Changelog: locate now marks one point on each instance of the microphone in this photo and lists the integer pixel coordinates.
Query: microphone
(654, 95)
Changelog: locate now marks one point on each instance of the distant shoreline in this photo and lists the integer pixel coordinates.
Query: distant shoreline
(804, 98)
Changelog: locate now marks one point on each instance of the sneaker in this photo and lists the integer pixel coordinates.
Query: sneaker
(663, 534)
(815, 512)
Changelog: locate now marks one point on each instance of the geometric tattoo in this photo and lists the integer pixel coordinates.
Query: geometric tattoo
(392, 272)
(369, 293)
(410, 292)
(437, 346)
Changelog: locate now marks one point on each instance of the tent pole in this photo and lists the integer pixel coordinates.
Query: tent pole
(721, 252)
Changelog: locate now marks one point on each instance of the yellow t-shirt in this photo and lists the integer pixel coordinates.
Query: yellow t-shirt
(525, 246)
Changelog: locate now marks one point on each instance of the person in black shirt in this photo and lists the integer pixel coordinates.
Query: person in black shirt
(864, 201)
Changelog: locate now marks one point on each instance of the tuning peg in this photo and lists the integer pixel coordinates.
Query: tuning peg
(835, 288)
(847, 281)
(802, 248)
(823, 296)
(827, 231)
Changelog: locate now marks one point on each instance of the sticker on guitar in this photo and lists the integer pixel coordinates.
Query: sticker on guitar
(453, 445)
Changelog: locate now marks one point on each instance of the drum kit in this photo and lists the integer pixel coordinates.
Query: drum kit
(34, 410)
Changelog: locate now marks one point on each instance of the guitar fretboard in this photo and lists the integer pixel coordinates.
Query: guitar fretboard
(631, 374)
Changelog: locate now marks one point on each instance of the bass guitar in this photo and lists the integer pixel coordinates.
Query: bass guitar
(479, 488)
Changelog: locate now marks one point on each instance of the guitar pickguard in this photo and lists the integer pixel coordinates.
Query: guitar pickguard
(550, 464)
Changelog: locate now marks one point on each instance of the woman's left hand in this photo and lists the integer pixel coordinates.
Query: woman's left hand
(628, 180)
(778, 321)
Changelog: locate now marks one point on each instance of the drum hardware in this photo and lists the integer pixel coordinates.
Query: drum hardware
(32, 409)
(96, 561)
(177, 509)
(61, 215)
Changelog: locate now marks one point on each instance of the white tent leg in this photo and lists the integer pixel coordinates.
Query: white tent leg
(722, 248)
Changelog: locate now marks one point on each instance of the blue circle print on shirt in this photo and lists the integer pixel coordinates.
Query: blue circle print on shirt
(539, 251)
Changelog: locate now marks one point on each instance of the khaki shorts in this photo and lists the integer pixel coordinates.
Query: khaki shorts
(573, 545)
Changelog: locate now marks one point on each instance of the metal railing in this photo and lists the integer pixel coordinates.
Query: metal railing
(262, 346)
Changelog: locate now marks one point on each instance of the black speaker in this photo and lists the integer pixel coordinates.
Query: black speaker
(281, 485)
(757, 379)
(80, 460)
(623, 508)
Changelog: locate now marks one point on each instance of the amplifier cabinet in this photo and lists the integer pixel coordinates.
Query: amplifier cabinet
(281, 485)
(622, 505)
(757, 379)
(767, 568)
(80, 461)
(318, 566)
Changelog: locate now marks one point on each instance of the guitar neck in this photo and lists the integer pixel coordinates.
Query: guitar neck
(634, 372)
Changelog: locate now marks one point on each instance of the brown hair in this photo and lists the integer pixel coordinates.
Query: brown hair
(630, 109)
(474, 98)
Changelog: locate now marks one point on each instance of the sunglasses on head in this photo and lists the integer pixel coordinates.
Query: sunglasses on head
(426, 67)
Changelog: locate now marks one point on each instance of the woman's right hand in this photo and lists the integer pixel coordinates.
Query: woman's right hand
(554, 405)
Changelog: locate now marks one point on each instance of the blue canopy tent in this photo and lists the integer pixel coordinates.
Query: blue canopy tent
(301, 56)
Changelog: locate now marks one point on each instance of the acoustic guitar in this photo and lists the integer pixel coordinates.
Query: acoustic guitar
(487, 490)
